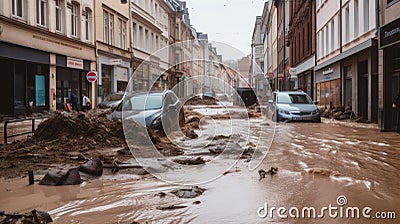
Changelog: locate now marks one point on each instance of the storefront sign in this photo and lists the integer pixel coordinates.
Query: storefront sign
(74, 63)
(115, 61)
(327, 71)
(390, 33)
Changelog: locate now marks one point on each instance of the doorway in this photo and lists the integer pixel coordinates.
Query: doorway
(363, 89)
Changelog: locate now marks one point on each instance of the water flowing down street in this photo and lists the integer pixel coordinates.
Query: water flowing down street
(317, 163)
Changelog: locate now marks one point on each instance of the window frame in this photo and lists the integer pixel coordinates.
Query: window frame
(75, 20)
(88, 25)
(59, 13)
(15, 8)
(41, 13)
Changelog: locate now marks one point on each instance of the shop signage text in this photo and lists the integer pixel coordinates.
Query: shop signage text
(327, 71)
(390, 33)
(74, 63)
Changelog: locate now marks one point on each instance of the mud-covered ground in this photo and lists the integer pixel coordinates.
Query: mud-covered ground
(316, 164)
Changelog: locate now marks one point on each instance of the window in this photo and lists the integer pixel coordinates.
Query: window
(327, 40)
(18, 8)
(356, 19)
(41, 12)
(88, 24)
(366, 16)
(322, 43)
(74, 20)
(121, 34)
(59, 16)
(111, 29)
(108, 28)
(347, 24)
(332, 35)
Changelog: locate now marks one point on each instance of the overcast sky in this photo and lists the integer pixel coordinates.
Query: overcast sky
(228, 21)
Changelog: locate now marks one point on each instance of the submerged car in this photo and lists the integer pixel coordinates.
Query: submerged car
(152, 109)
(112, 100)
(294, 106)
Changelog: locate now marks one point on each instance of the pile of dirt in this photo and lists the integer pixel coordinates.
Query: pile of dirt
(342, 113)
(201, 101)
(59, 140)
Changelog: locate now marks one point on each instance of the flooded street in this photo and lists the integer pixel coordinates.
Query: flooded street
(318, 162)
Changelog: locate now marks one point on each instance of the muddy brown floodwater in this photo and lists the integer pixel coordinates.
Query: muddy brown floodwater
(317, 164)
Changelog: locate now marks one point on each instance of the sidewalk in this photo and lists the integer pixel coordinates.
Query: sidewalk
(17, 128)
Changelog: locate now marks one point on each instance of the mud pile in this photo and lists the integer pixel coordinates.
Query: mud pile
(342, 113)
(199, 101)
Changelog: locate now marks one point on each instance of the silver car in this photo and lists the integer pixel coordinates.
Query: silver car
(294, 106)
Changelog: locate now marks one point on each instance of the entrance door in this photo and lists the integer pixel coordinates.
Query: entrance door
(395, 89)
(363, 89)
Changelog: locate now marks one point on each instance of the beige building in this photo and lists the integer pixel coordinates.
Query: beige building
(346, 71)
(270, 45)
(389, 63)
(46, 49)
(112, 47)
(150, 34)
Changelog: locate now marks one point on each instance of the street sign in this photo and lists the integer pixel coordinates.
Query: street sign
(91, 76)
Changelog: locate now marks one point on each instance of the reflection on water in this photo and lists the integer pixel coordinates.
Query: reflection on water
(317, 163)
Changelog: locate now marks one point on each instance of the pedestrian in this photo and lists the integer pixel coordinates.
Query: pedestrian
(396, 105)
(74, 102)
(86, 105)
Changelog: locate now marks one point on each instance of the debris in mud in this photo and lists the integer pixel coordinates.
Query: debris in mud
(196, 202)
(201, 101)
(218, 137)
(61, 177)
(217, 150)
(231, 171)
(190, 161)
(33, 217)
(193, 192)
(93, 167)
(162, 194)
(322, 172)
(171, 207)
(272, 171)
(191, 134)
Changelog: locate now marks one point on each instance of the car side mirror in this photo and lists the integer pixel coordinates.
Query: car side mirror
(316, 102)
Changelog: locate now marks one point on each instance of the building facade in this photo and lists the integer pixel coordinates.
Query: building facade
(346, 71)
(389, 62)
(256, 74)
(46, 49)
(302, 44)
(112, 47)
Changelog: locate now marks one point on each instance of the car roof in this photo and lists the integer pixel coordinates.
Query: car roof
(292, 92)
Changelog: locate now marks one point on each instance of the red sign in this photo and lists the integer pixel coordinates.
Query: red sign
(91, 76)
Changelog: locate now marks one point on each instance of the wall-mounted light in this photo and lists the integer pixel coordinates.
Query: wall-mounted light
(52, 75)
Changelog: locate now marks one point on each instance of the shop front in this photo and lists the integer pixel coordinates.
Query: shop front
(328, 86)
(71, 81)
(24, 87)
(113, 75)
(305, 75)
(390, 43)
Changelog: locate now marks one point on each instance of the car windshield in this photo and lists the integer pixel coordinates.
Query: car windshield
(114, 97)
(284, 98)
(146, 102)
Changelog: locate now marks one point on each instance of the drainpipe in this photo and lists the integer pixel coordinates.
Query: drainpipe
(377, 17)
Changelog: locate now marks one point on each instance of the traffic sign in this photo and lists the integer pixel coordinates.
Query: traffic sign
(91, 76)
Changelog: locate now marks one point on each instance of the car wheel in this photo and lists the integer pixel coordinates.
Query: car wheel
(319, 120)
